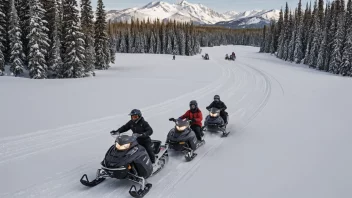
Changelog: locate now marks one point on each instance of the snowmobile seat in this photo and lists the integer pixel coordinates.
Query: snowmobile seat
(156, 146)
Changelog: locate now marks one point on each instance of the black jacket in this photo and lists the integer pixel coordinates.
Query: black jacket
(218, 105)
(140, 127)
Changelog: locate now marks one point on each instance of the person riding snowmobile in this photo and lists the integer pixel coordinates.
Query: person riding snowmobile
(196, 116)
(217, 103)
(138, 125)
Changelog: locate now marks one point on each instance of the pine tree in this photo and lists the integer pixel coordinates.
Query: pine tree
(50, 6)
(278, 31)
(316, 38)
(291, 45)
(346, 65)
(73, 43)
(262, 44)
(88, 31)
(2, 62)
(323, 46)
(101, 38)
(3, 27)
(23, 9)
(335, 61)
(17, 55)
(55, 61)
(38, 41)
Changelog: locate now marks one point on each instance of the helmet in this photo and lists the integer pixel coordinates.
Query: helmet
(135, 114)
(216, 98)
(193, 105)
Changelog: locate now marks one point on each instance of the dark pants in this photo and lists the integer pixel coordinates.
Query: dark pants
(147, 144)
(197, 130)
(223, 115)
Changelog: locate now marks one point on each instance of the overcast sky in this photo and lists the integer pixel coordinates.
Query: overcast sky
(217, 5)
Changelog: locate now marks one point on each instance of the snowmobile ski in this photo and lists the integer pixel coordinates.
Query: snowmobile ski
(141, 192)
(225, 134)
(85, 181)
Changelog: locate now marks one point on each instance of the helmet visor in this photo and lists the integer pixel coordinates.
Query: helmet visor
(193, 106)
(134, 117)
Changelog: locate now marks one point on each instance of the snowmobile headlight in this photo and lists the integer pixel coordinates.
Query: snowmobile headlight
(181, 128)
(213, 114)
(122, 147)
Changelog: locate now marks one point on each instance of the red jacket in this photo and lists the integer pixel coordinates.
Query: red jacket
(196, 115)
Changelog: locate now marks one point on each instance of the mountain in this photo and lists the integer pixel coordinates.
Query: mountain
(197, 13)
(250, 19)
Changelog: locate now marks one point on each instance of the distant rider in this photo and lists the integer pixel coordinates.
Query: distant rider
(138, 125)
(196, 116)
(217, 103)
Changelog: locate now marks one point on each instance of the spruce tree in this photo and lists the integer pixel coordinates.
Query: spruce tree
(38, 41)
(336, 55)
(262, 44)
(55, 61)
(316, 38)
(88, 31)
(3, 25)
(101, 39)
(73, 43)
(16, 49)
(346, 65)
(2, 62)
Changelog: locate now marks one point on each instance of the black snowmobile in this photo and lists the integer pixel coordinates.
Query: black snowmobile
(182, 138)
(126, 159)
(205, 57)
(214, 122)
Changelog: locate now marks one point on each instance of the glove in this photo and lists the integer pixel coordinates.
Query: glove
(113, 132)
(193, 120)
(172, 119)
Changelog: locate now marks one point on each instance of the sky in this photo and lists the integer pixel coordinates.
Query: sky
(217, 5)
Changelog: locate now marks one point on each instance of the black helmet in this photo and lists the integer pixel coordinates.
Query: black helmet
(135, 114)
(216, 98)
(193, 102)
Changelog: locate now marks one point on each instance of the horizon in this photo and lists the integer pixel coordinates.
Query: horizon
(220, 6)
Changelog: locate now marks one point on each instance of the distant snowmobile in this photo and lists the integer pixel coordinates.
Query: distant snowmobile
(205, 57)
(127, 160)
(182, 138)
(214, 123)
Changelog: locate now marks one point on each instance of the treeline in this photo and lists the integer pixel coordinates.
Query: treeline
(319, 37)
(51, 39)
(175, 37)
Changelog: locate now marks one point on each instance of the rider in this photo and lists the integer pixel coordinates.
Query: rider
(138, 125)
(217, 103)
(196, 116)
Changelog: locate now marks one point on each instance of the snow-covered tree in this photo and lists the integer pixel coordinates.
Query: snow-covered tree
(55, 61)
(38, 41)
(2, 62)
(16, 48)
(88, 31)
(73, 43)
(3, 25)
(346, 65)
(264, 37)
(336, 55)
(316, 38)
(101, 38)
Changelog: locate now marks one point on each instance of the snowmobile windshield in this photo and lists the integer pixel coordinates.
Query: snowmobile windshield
(181, 125)
(214, 112)
(123, 142)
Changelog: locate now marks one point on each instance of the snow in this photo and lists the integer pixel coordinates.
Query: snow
(290, 127)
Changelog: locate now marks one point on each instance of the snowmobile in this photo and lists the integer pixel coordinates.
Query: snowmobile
(127, 160)
(205, 57)
(214, 122)
(182, 138)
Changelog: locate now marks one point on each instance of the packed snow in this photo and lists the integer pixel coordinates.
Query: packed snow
(290, 127)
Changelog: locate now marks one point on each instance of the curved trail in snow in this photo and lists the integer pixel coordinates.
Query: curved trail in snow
(246, 91)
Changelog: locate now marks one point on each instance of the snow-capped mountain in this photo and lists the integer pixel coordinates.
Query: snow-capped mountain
(185, 12)
(250, 19)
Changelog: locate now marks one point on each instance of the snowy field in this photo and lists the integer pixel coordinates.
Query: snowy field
(290, 128)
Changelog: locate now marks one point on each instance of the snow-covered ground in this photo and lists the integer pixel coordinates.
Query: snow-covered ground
(291, 132)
